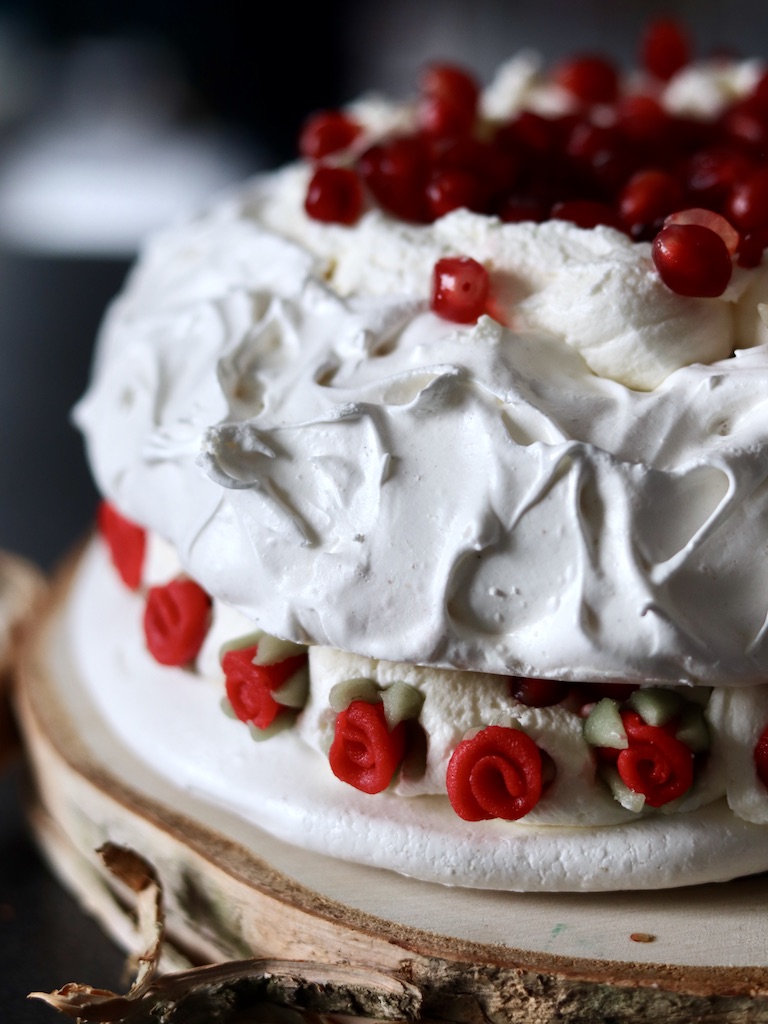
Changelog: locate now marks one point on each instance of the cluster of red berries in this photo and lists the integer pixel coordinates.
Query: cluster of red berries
(618, 159)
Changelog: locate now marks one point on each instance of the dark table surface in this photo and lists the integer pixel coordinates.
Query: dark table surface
(45, 938)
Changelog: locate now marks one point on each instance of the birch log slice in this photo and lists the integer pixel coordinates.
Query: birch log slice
(21, 586)
(233, 892)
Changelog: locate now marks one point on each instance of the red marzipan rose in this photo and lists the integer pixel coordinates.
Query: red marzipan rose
(655, 763)
(365, 753)
(126, 542)
(497, 773)
(176, 618)
(250, 687)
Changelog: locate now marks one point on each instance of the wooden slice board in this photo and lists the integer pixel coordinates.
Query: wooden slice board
(234, 892)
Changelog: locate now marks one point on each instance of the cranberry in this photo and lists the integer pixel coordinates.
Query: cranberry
(460, 289)
(449, 100)
(176, 620)
(538, 693)
(586, 213)
(396, 172)
(664, 49)
(692, 260)
(327, 132)
(590, 78)
(747, 204)
(334, 195)
(648, 197)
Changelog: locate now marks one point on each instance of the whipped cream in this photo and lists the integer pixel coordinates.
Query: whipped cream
(191, 753)
(577, 493)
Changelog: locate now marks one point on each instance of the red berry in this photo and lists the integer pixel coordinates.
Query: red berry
(334, 195)
(692, 260)
(648, 197)
(451, 189)
(449, 100)
(713, 171)
(746, 123)
(327, 132)
(751, 247)
(665, 48)
(642, 120)
(460, 288)
(517, 208)
(538, 693)
(396, 172)
(494, 169)
(250, 687)
(586, 213)
(747, 204)
(176, 620)
(707, 219)
(126, 541)
(761, 757)
(590, 78)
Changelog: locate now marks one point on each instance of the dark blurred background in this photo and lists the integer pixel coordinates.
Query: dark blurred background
(117, 116)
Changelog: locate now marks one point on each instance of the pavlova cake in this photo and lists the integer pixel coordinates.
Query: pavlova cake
(435, 475)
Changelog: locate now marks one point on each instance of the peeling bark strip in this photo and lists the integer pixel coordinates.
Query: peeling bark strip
(224, 992)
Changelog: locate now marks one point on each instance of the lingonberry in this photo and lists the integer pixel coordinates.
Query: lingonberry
(327, 132)
(692, 260)
(590, 78)
(460, 289)
(664, 48)
(334, 195)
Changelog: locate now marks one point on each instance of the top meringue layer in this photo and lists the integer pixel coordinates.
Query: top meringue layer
(579, 493)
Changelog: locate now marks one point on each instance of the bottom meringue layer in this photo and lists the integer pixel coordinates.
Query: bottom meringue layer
(170, 720)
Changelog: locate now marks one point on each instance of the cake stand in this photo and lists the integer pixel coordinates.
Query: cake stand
(342, 937)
